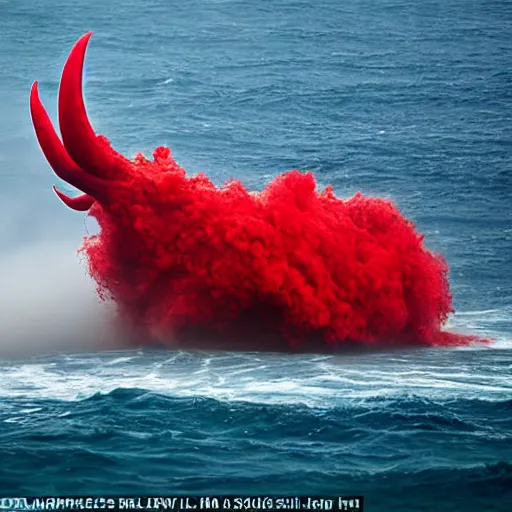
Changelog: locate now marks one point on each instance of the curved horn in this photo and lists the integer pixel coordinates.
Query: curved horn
(85, 147)
(56, 154)
(80, 203)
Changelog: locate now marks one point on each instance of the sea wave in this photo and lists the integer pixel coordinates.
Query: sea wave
(371, 446)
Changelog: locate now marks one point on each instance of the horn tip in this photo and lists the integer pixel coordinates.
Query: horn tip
(86, 36)
(82, 42)
(80, 203)
(34, 90)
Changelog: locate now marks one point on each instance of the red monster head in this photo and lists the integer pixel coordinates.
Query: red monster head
(181, 256)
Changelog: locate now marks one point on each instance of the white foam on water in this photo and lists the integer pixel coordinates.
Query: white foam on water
(263, 378)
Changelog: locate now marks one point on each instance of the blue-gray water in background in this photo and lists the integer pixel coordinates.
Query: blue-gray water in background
(405, 100)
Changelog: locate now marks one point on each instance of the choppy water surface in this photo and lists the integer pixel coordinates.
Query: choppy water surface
(409, 101)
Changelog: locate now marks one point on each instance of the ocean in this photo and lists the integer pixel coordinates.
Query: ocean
(410, 101)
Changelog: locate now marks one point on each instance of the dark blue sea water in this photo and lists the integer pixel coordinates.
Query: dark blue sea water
(406, 100)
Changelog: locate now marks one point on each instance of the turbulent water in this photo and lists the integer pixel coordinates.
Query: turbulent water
(407, 101)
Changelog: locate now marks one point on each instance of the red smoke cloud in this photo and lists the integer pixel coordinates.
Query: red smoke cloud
(188, 262)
